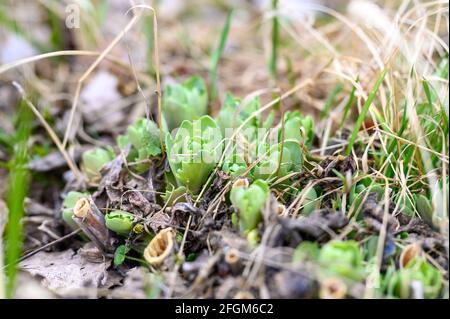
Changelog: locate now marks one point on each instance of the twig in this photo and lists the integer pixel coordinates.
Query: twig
(34, 252)
(73, 167)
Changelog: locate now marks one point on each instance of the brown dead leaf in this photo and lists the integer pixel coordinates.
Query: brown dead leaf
(67, 274)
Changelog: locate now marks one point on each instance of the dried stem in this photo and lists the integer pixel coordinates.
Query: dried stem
(92, 222)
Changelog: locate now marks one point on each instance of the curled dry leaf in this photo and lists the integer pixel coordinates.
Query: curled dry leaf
(409, 253)
(112, 174)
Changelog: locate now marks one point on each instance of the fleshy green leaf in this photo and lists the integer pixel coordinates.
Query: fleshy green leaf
(342, 258)
(419, 271)
(249, 201)
(120, 254)
(306, 251)
(186, 101)
(119, 221)
(194, 152)
(93, 161)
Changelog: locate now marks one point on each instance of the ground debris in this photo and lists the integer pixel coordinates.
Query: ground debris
(339, 163)
(134, 285)
(68, 274)
(373, 213)
(113, 178)
(55, 160)
(321, 225)
(290, 284)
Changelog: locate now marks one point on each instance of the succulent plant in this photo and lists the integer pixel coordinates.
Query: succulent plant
(298, 128)
(306, 251)
(249, 201)
(194, 152)
(93, 160)
(234, 112)
(286, 157)
(120, 222)
(419, 271)
(424, 208)
(174, 195)
(144, 136)
(279, 160)
(310, 202)
(342, 258)
(234, 165)
(185, 101)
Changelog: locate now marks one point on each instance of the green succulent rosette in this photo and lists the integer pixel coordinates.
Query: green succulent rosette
(194, 152)
(185, 101)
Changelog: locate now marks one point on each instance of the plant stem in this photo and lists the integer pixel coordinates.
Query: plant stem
(216, 55)
(364, 111)
(275, 40)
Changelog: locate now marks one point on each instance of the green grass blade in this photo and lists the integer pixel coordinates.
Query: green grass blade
(215, 57)
(349, 104)
(56, 36)
(330, 101)
(364, 111)
(147, 27)
(102, 12)
(17, 188)
(275, 41)
(394, 143)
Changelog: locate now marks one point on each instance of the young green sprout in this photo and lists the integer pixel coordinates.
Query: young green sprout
(234, 165)
(424, 208)
(342, 258)
(144, 137)
(194, 152)
(310, 202)
(234, 112)
(279, 160)
(249, 201)
(93, 161)
(306, 251)
(286, 157)
(185, 101)
(174, 195)
(417, 273)
(298, 128)
(120, 222)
